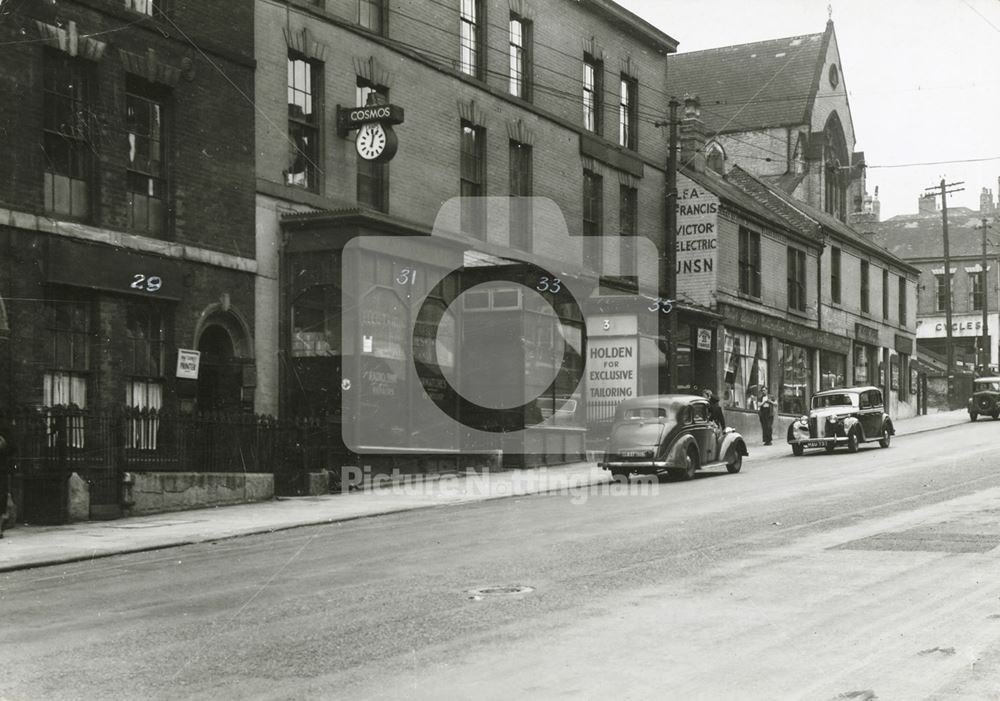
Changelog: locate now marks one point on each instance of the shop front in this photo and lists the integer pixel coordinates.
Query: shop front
(789, 360)
(967, 337)
(427, 353)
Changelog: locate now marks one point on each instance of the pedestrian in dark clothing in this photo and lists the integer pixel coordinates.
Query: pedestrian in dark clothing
(715, 412)
(766, 414)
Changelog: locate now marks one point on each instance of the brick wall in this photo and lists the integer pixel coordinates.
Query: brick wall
(210, 166)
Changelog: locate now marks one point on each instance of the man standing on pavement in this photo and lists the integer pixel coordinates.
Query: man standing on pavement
(766, 414)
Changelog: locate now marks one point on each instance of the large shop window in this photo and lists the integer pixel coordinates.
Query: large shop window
(832, 370)
(746, 369)
(316, 323)
(793, 381)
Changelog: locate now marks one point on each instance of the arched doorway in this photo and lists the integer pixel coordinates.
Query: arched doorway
(223, 342)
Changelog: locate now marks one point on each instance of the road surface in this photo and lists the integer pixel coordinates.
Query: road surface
(861, 576)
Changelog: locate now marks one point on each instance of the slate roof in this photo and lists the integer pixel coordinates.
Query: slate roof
(752, 86)
(920, 236)
(776, 199)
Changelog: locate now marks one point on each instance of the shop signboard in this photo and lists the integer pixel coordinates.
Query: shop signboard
(697, 241)
(612, 373)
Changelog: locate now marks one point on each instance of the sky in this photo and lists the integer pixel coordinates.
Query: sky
(922, 76)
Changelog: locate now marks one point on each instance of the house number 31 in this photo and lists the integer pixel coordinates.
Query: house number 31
(149, 284)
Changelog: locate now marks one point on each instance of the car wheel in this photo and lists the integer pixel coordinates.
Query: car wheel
(852, 441)
(973, 416)
(619, 477)
(886, 437)
(735, 461)
(797, 450)
(995, 415)
(829, 447)
(690, 465)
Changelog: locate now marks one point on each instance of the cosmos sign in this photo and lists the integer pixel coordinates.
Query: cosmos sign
(376, 140)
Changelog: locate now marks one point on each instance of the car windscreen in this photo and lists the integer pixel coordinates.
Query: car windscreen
(826, 400)
(992, 386)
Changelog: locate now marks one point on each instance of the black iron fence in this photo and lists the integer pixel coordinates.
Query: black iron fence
(52, 443)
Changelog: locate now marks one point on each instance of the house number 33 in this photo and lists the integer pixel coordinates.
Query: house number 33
(148, 284)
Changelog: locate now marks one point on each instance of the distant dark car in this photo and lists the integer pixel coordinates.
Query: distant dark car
(669, 433)
(848, 416)
(985, 399)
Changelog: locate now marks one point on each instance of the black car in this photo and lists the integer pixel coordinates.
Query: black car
(669, 433)
(985, 399)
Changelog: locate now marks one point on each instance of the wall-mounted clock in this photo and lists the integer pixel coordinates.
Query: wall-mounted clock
(376, 142)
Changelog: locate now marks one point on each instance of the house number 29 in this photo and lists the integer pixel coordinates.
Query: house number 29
(149, 284)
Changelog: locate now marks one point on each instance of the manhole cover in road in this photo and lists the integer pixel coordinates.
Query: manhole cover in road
(494, 591)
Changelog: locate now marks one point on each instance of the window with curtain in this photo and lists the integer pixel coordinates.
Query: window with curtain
(304, 110)
(520, 56)
(628, 113)
(146, 397)
(65, 390)
(593, 94)
(746, 369)
(471, 55)
(144, 116)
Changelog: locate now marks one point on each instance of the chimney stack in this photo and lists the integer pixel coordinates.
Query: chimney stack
(692, 135)
(986, 202)
(928, 204)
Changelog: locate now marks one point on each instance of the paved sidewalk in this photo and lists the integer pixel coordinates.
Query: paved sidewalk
(37, 546)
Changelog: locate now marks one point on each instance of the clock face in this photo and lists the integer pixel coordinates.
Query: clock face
(371, 141)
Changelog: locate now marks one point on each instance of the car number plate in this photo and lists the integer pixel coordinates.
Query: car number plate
(815, 444)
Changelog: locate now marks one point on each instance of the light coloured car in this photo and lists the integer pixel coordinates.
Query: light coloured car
(847, 416)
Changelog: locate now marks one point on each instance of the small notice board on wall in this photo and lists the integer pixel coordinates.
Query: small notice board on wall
(187, 363)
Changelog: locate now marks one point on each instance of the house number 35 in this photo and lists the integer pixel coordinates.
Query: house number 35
(149, 284)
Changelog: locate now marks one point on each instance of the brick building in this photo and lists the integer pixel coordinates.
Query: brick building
(775, 122)
(917, 238)
(502, 98)
(126, 212)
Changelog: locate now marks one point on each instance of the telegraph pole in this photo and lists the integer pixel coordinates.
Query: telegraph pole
(667, 323)
(949, 347)
(985, 352)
